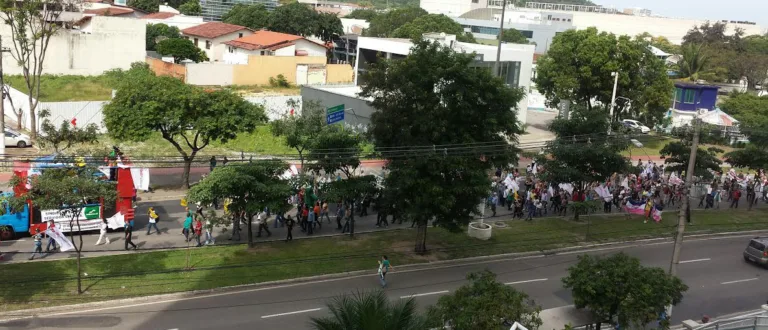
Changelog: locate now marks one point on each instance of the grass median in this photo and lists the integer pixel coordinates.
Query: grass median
(41, 284)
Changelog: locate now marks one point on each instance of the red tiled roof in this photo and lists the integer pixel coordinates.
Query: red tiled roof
(159, 16)
(212, 30)
(111, 11)
(265, 40)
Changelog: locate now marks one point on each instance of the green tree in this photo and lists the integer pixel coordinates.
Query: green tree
(295, 18)
(578, 139)
(483, 304)
(371, 310)
(385, 24)
(660, 42)
(722, 49)
(250, 187)
(678, 153)
(150, 6)
(254, 16)
(365, 14)
(69, 190)
(619, 290)
(159, 32)
(578, 68)
(752, 113)
(186, 116)
(513, 36)
(181, 49)
(66, 134)
(328, 26)
(301, 131)
(434, 98)
(432, 23)
(752, 66)
(694, 60)
(191, 8)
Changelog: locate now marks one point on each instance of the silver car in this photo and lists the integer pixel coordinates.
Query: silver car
(757, 251)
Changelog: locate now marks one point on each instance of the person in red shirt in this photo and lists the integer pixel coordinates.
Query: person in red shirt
(198, 227)
(316, 210)
(735, 195)
(304, 217)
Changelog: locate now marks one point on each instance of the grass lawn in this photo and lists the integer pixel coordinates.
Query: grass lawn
(39, 284)
(492, 42)
(55, 88)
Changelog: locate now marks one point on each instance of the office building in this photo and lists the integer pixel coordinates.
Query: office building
(213, 10)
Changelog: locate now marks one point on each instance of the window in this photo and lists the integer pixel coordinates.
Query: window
(678, 95)
(239, 35)
(757, 246)
(690, 96)
(527, 34)
(207, 44)
(485, 30)
(231, 49)
(261, 53)
(475, 1)
(195, 41)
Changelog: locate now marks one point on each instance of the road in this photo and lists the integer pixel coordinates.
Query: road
(720, 283)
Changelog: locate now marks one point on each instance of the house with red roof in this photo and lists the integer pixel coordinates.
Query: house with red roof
(211, 36)
(268, 43)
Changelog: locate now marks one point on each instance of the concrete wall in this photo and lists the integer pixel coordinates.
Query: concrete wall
(358, 112)
(277, 106)
(114, 43)
(210, 74)
(163, 68)
(86, 112)
(339, 73)
(261, 68)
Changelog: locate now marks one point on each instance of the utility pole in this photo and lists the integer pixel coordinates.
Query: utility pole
(501, 34)
(2, 96)
(685, 208)
(613, 100)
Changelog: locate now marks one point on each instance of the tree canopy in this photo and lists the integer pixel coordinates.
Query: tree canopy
(301, 131)
(66, 134)
(186, 116)
(578, 68)
(752, 113)
(295, 18)
(483, 304)
(678, 153)
(150, 6)
(254, 16)
(191, 8)
(513, 36)
(385, 24)
(432, 23)
(372, 310)
(694, 61)
(435, 98)
(660, 42)
(328, 26)
(181, 49)
(619, 290)
(365, 14)
(158, 32)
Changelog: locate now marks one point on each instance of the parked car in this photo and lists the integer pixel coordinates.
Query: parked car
(636, 126)
(757, 251)
(16, 139)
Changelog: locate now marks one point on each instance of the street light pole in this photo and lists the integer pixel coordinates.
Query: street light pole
(501, 34)
(2, 95)
(615, 75)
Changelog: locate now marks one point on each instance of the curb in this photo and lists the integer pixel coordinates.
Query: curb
(15, 315)
(151, 198)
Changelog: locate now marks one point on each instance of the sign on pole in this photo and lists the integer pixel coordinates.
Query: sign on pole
(334, 114)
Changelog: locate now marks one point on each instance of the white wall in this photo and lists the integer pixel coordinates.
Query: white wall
(451, 8)
(240, 56)
(209, 74)
(276, 106)
(87, 112)
(311, 48)
(114, 43)
(180, 21)
(217, 50)
(286, 51)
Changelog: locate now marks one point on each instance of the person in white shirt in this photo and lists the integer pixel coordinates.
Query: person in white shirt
(103, 232)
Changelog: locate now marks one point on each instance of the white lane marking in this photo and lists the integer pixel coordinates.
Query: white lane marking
(424, 294)
(527, 281)
(694, 260)
(739, 281)
(291, 313)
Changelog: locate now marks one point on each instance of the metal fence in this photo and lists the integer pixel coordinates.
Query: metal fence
(747, 323)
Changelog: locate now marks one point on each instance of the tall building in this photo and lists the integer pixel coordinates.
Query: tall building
(213, 10)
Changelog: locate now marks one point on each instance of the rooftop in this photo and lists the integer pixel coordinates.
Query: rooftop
(692, 85)
(110, 11)
(212, 30)
(264, 40)
(159, 15)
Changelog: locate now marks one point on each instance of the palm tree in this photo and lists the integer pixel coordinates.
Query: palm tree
(694, 60)
(370, 310)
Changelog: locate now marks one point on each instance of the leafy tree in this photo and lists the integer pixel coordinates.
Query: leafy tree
(385, 24)
(32, 24)
(752, 113)
(294, 18)
(660, 42)
(694, 60)
(68, 190)
(619, 290)
(721, 49)
(678, 153)
(254, 16)
(581, 153)
(432, 23)
(301, 131)
(186, 116)
(159, 32)
(328, 26)
(66, 135)
(181, 49)
(150, 6)
(711, 34)
(578, 68)
(434, 97)
(372, 310)
(513, 36)
(249, 186)
(756, 44)
(191, 8)
(364, 14)
(483, 304)
(752, 66)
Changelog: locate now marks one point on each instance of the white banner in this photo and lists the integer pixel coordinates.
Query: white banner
(140, 178)
(64, 243)
(116, 221)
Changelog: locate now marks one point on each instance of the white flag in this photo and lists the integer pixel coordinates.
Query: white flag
(64, 243)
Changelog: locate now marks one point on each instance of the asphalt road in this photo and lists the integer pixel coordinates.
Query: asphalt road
(720, 283)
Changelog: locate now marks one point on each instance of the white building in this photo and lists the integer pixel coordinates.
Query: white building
(100, 43)
(268, 43)
(539, 27)
(180, 21)
(211, 36)
(516, 59)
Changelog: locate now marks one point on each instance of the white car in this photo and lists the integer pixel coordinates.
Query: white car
(636, 125)
(16, 139)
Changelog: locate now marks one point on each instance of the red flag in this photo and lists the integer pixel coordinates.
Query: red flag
(291, 112)
(73, 122)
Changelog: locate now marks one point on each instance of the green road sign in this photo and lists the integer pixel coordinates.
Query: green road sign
(92, 212)
(335, 109)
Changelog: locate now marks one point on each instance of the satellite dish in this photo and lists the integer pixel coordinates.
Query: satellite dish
(702, 112)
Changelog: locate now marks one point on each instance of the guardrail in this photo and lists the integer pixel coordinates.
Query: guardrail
(749, 323)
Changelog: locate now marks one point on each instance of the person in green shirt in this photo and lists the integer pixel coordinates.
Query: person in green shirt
(384, 267)
(187, 225)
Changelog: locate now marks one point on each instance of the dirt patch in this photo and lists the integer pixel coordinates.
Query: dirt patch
(434, 252)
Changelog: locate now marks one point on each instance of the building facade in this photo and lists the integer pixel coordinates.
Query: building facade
(213, 10)
(539, 27)
(211, 36)
(268, 43)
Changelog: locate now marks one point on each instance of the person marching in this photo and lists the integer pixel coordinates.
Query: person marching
(152, 221)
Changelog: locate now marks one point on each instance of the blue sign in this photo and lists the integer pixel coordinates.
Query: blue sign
(334, 117)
